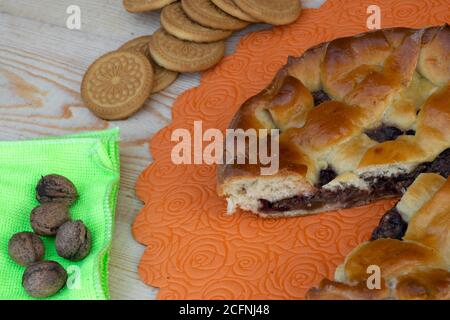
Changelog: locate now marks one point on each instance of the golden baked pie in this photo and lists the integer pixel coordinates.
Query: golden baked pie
(359, 118)
(411, 248)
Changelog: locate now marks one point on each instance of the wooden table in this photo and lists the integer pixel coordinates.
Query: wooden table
(42, 63)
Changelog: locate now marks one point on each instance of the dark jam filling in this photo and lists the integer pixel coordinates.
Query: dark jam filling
(391, 226)
(379, 187)
(326, 175)
(386, 133)
(320, 97)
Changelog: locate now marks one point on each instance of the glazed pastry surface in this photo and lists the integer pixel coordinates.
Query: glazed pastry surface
(359, 118)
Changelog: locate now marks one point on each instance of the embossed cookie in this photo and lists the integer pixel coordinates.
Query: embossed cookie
(178, 24)
(209, 15)
(163, 77)
(277, 12)
(232, 9)
(117, 84)
(145, 5)
(184, 56)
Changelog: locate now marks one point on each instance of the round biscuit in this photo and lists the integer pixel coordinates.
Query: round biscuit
(163, 77)
(207, 14)
(178, 24)
(145, 5)
(277, 12)
(232, 9)
(117, 84)
(184, 56)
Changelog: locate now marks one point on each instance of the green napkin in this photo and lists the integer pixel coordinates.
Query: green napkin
(91, 162)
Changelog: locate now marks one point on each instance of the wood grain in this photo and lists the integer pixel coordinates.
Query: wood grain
(41, 67)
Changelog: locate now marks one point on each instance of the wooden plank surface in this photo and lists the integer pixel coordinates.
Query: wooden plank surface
(41, 66)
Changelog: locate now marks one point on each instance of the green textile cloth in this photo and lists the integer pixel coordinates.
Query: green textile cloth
(91, 162)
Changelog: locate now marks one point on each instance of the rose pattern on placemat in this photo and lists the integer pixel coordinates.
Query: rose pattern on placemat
(196, 251)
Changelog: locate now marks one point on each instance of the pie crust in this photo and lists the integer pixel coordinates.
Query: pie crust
(359, 118)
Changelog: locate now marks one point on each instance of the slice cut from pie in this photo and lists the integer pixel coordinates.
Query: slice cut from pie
(359, 119)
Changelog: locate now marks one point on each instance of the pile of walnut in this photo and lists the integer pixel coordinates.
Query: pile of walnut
(42, 278)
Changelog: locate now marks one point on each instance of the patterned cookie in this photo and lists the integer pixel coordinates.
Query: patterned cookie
(163, 77)
(145, 5)
(232, 9)
(184, 56)
(178, 24)
(209, 15)
(117, 84)
(273, 12)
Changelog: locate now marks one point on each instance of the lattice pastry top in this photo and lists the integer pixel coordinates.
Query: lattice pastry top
(360, 118)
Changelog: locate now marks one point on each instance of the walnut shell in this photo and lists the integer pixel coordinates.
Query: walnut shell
(73, 241)
(55, 188)
(26, 248)
(44, 279)
(48, 217)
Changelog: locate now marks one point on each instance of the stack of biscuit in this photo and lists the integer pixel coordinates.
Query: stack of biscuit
(191, 38)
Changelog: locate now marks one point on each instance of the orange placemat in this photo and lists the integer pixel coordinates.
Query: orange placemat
(194, 250)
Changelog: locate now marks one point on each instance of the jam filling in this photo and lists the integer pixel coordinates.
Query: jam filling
(320, 97)
(379, 187)
(391, 226)
(386, 133)
(326, 175)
